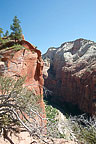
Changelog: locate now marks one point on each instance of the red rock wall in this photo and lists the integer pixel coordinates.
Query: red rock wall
(80, 91)
(25, 62)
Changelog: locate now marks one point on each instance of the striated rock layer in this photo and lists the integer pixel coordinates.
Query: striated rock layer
(70, 73)
(26, 61)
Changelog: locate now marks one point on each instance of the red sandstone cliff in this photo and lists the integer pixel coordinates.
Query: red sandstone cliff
(70, 73)
(25, 61)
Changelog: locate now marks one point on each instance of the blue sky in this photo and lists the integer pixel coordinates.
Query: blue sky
(47, 23)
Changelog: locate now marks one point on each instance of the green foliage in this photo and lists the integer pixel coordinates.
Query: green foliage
(1, 40)
(1, 32)
(89, 135)
(15, 100)
(84, 129)
(80, 128)
(52, 122)
(51, 113)
(4, 41)
(14, 88)
(85, 134)
(6, 33)
(17, 47)
(16, 28)
(16, 33)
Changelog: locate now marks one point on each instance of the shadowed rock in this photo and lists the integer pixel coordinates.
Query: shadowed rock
(70, 73)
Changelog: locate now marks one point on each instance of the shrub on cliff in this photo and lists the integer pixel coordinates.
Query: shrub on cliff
(52, 123)
(84, 129)
(18, 106)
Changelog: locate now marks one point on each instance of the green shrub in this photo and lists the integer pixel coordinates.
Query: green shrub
(84, 129)
(16, 101)
(17, 47)
(52, 121)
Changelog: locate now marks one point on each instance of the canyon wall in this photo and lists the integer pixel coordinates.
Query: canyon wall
(70, 74)
(23, 61)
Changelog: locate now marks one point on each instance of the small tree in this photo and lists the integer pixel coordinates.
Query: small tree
(6, 33)
(16, 28)
(1, 32)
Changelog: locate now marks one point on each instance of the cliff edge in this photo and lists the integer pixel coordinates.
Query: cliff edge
(23, 60)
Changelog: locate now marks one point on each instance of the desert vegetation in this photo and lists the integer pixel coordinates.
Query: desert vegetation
(82, 128)
(18, 107)
(16, 32)
(77, 126)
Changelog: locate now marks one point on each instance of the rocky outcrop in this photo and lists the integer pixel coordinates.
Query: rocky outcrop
(23, 60)
(70, 73)
(33, 67)
(25, 138)
(27, 62)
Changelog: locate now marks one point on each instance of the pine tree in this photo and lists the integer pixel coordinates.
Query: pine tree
(16, 28)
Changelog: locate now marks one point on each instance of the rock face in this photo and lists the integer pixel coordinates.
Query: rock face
(70, 73)
(27, 62)
(25, 138)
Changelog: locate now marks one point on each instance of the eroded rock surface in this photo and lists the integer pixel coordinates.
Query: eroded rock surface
(25, 138)
(70, 73)
(24, 61)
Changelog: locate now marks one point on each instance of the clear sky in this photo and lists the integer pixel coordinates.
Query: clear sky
(47, 23)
